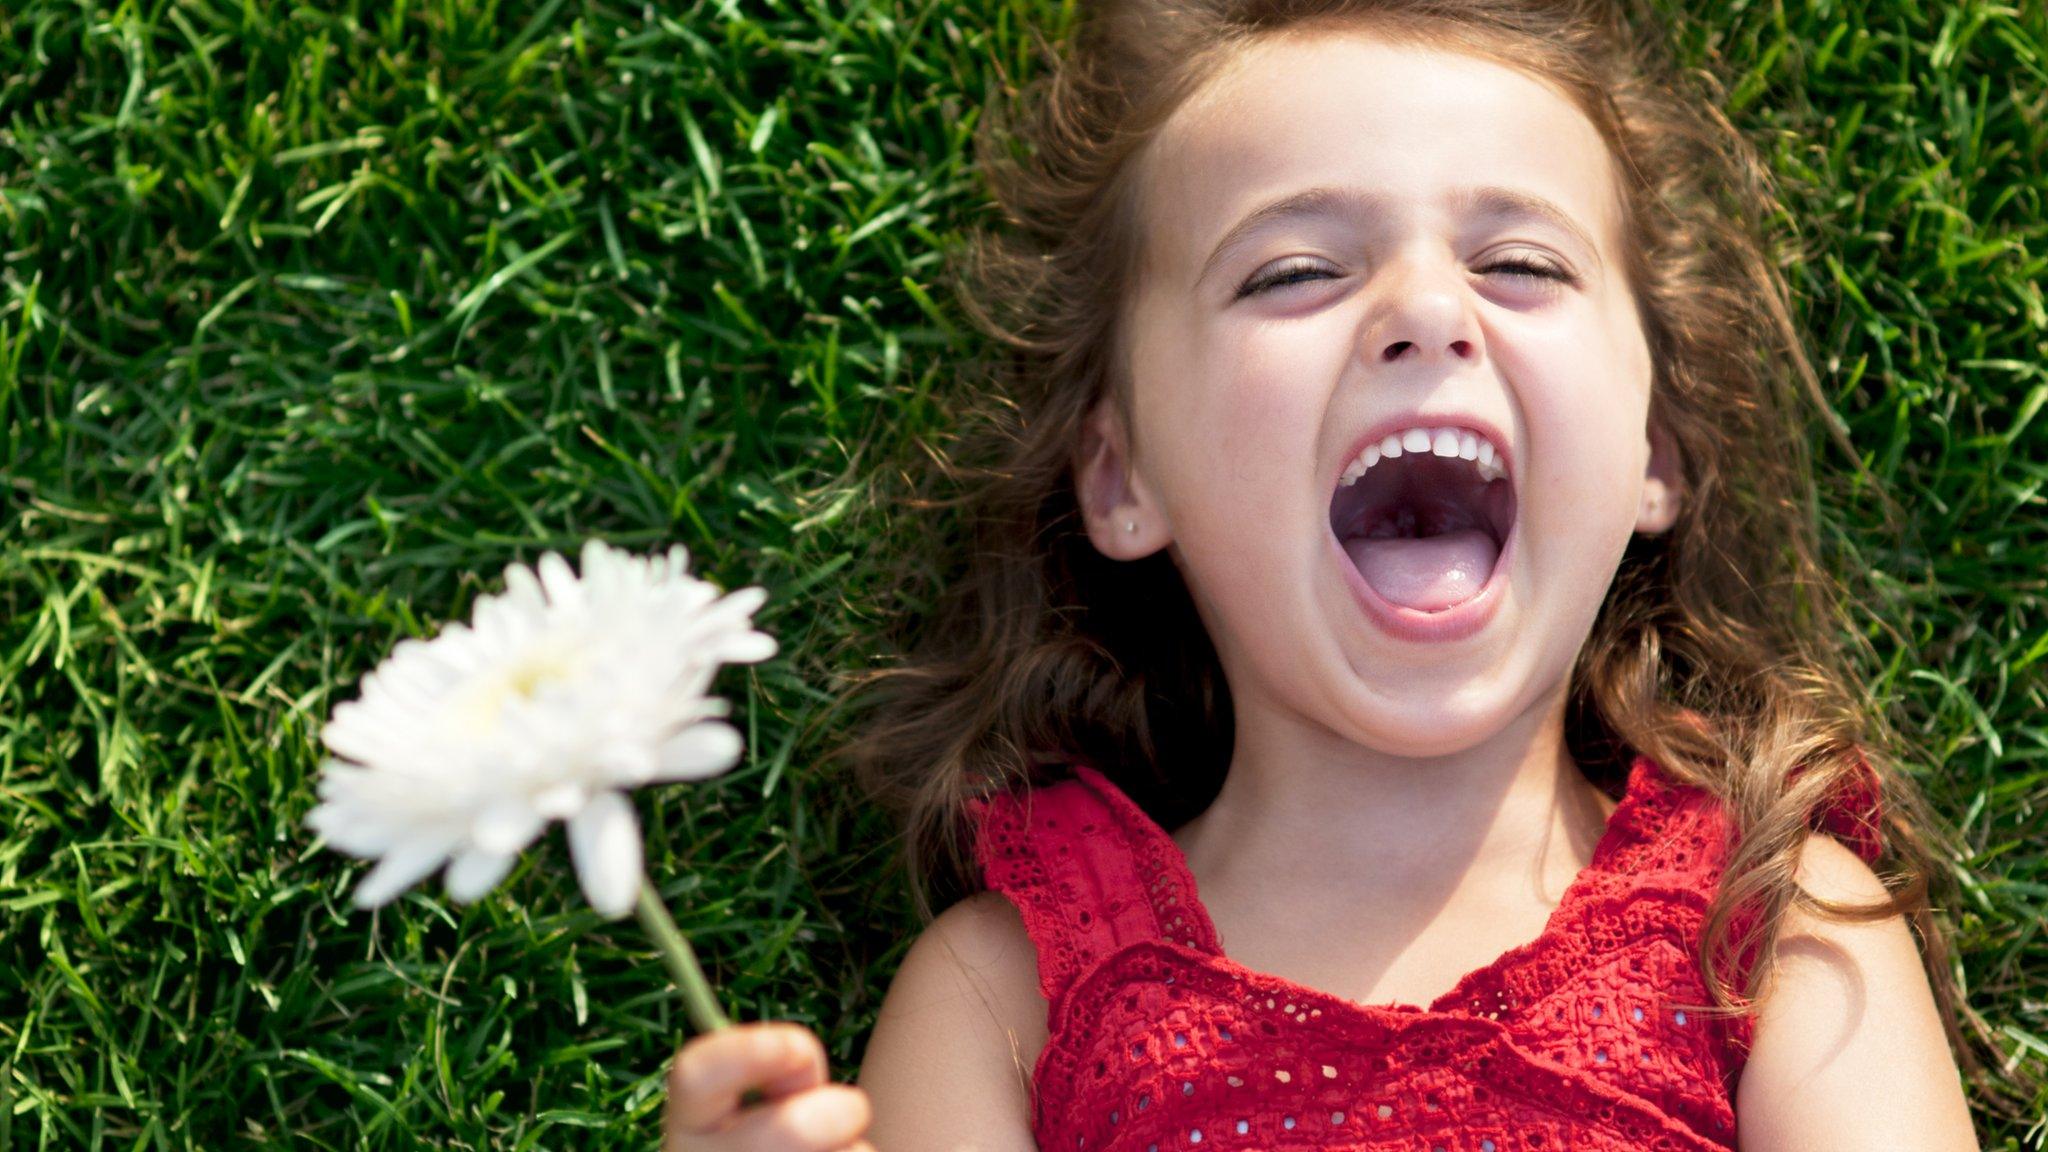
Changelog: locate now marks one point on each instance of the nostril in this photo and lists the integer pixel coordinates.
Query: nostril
(1399, 348)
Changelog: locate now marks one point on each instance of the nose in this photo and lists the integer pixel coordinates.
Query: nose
(1423, 313)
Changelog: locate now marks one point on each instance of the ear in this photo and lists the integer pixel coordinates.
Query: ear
(1663, 484)
(1124, 522)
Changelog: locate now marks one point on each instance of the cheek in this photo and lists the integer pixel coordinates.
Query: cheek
(1238, 415)
(1585, 404)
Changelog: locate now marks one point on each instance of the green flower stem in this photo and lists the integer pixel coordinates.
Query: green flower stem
(682, 963)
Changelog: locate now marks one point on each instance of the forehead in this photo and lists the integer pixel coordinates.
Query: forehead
(1345, 110)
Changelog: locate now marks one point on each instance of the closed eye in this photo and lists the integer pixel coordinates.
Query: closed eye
(1280, 277)
(1533, 268)
(1284, 276)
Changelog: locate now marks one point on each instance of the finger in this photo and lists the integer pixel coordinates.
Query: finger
(807, 1068)
(709, 1073)
(820, 1119)
(811, 1070)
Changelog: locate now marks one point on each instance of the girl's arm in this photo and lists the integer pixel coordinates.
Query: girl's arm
(945, 1066)
(1848, 1051)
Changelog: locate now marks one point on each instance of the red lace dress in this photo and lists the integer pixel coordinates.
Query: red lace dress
(1573, 1042)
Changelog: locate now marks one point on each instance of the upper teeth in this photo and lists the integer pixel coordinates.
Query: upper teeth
(1440, 441)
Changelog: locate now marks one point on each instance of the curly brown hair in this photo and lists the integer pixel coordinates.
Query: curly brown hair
(1042, 651)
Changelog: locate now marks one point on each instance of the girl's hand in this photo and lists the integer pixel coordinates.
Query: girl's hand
(801, 1109)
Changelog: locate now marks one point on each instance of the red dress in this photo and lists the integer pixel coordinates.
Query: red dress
(1572, 1042)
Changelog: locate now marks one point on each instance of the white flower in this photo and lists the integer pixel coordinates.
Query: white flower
(563, 694)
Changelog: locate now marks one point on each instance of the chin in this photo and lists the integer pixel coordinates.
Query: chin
(1425, 719)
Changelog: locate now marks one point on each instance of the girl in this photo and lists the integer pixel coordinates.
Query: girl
(1394, 700)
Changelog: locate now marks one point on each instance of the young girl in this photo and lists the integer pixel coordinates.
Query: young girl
(1393, 701)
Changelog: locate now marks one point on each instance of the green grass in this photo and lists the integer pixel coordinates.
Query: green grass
(316, 317)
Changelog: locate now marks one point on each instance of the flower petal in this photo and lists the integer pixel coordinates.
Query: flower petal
(704, 749)
(564, 592)
(627, 762)
(409, 863)
(678, 558)
(505, 827)
(355, 829)
(523, 590)
(608, 571)
(604, 838)
(476, 872)
(559, 802)
(743, 647)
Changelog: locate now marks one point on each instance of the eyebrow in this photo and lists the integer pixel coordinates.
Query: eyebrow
(1491, 202)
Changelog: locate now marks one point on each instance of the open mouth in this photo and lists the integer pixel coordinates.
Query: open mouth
(1423, 515)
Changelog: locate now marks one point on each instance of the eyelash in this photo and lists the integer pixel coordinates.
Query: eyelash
(1522, 267)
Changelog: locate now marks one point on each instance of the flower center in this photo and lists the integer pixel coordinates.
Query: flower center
(524, 678)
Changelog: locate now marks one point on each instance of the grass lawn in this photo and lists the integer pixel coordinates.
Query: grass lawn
(317, 316)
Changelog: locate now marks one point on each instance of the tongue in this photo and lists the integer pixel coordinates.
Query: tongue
(1427, 573)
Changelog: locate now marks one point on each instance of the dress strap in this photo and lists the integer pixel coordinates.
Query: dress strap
(1663, 830)
(1854, 813)
(1684, 828)
(1074, 859)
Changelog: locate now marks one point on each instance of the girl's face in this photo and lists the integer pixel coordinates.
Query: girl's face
(1458, 265)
